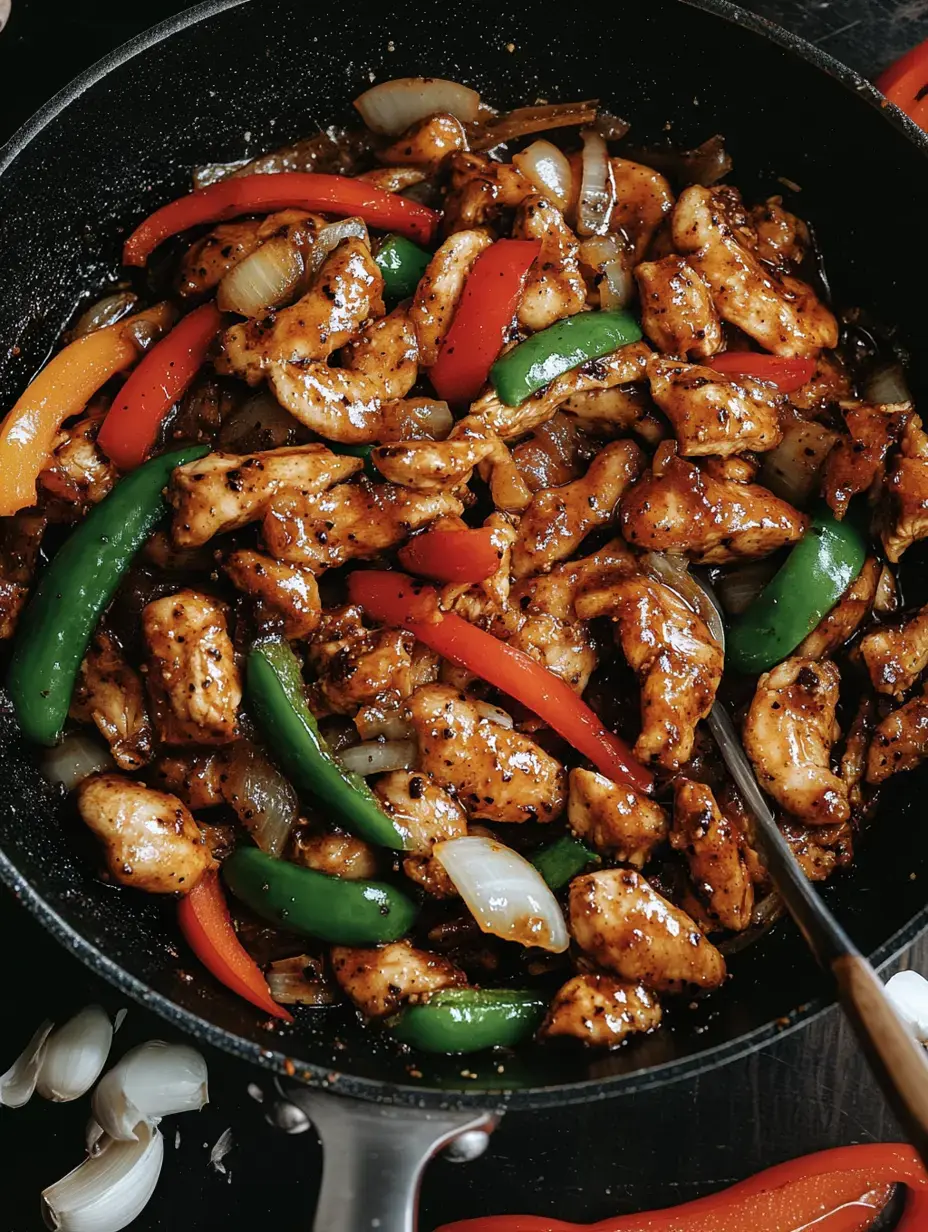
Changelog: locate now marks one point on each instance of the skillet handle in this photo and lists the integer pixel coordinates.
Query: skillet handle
(373, 1157)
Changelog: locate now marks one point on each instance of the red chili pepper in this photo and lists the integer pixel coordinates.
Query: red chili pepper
(487, 306)
(787, 373)
(905, 83)
(842, 1190)
(131, 425)
(398, 600)
(207, 928)
(451, 555)
(262, 194)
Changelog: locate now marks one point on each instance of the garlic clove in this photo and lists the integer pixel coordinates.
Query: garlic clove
(151, 1081)
(75, 1054)
(18, 1083)
(107, 1191)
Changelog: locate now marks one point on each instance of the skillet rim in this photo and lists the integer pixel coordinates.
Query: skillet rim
(374, 1090)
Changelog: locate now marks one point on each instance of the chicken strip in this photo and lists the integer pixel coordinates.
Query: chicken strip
(857, 462)
(193, 681)
(336, 855)
(900, 741)
(150, 838)
(206, 262)
(387, 352)
(854, 758)
(642, 201)
(20, 541)
(349, 522)
(554, 287)
(373, 666)
(344, 406)
(676, 658)
(225, 491)
(393, 179)
(714, 414)
(196, 778)
(678, 508)
(677, 312)
(440, 288)
(615, 412)
(712, 849)
(77, 470)
(432, 465)
(380, 980)
(481, 188)
(843, 621)
(788, 734)
(614, 819)
(558, 519)
(601, 1011)
(782, 239)
(110, 694)
(627, 927)
(896, 655)
(496, 773)
(429, 815)
(284, 592)
(779, 312)
(426, 143)
(556, 453)
(907, 493)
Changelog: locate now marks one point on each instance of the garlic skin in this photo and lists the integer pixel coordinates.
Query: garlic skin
(18, 1083)
(107, 1191)
(908, 992)
(151, 1081)
(75, 1055)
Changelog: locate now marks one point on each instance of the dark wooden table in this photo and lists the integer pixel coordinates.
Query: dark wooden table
(808, 1091)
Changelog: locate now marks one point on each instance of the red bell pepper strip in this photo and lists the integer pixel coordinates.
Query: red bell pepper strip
(262, 194)
(905, 83)
(131, 425)
(787, 373)
(451, 555)
(485, 311)
(398, 600)
(207, 928)
(842, 1190)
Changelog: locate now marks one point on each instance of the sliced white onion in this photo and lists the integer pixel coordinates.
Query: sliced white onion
(791, 470)
(379, 756)
(611, 256)
(597, 186)
(549, 171)
(106, 311)
(18, 1083)
(908, 992)
(107, 1191)
(887, 384)
(75, 1055)
(393, 106)
(537, 119)
(75, 759)
(290, 983)
(738, 588)
(493, 714)
(505, 894)
(263, 798)
(328, 238)
(673, 571)
(258, 424)
(886, 599)
(151, 1081)
(264, 280)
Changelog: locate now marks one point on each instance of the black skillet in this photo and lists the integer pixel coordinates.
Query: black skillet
(236, 77)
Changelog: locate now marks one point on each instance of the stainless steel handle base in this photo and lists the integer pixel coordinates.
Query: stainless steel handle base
(373, 1157)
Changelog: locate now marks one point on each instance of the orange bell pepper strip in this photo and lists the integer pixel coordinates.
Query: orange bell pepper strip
(398, 600)
(788, 373)
(62, 389)
(207, 928)
(131, 425)
(841, 1190)
(451, 555)
(262, 194)
(905, 83)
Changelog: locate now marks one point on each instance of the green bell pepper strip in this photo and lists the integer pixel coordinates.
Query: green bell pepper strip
(817, 572)
(470, 1019)
(304, 901)
(564, 345)
(56, 627)
(402, 264)
(274, 687)
(562, 860)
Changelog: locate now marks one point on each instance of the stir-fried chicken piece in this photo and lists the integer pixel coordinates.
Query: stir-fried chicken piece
(907, 493)
(817, 857)
(481, 188)
(394, 179)
(896, 655)
(427, 143)
(496, 773)
(788, 734)
(386, 351)
(854, 758)
(348, 407)
(712, 849)
(782, 238)
(207, 261)
(622, 367)
(558, 519)
(677, 312)
(432, 465)
(554, 287)
(676, 658)
(430, 816)
(20, 540)
(779, 312)
(830, 383)
(440, 288)
(678, 508)
(601, 1011)
(195, 777)
(77, 471)
(347, 291)
(615, 819)
(225, 491)
(193, 682)
(714, 414)
(109, 693)
(336, 855)
(349, 522)
(283, 591)
(556, 453)
(843, 621)
(627, 927)
(643, 201)
(900, 741)
(372, 666)
(858, 461)
(150, 839)
(617, 411)
(508, 490)
(381, 979)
